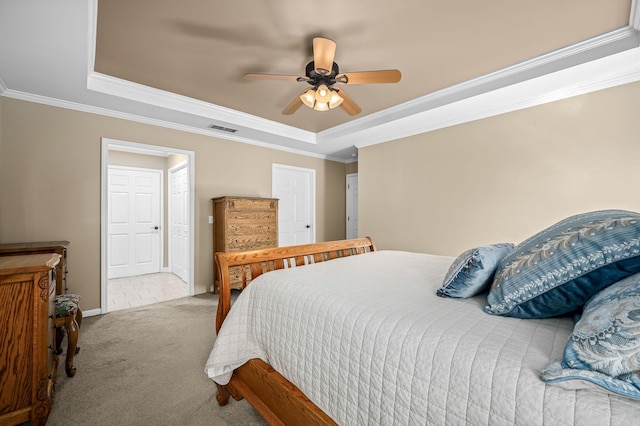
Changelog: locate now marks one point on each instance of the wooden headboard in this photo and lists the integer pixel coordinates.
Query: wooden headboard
(253, 263)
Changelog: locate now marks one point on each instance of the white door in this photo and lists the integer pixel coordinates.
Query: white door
(179, 222)
(352, 205)
(294, 187)
(133, 221)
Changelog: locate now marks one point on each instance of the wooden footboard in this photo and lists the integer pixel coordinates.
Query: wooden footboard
(253, 263)
(279, 401)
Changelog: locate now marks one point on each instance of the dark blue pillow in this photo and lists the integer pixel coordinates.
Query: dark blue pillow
(472, 272)
(557, 270)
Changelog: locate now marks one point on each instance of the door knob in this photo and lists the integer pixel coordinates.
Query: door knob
(308, 226)
(156, 228)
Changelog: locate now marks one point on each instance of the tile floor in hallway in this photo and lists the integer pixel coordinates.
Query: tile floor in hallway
(139, 290)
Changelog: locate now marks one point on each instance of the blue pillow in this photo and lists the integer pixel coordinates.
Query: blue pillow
(603, 352)
(557, 270)
(472, 272)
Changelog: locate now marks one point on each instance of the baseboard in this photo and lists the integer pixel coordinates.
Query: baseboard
(91, 313)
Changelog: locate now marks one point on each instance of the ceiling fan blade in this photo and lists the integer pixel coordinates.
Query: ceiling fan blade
(371, 77)
(270, 77)
(348, 104)
(324, 51)
(293, 106)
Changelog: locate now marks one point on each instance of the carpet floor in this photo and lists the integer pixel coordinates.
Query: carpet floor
(145, 366)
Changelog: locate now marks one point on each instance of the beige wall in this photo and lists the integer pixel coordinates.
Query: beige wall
(352, 168)
(50, 183)
(497, 179)
(505, 177)
(1, 183)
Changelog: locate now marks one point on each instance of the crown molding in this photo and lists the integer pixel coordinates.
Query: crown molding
(161, 123)
(609, 43)
(137, 92)
(607, 72)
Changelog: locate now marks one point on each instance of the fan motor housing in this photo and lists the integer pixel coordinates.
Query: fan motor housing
(316, 79)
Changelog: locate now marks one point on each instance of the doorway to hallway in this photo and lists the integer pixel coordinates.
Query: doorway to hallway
(171, 163)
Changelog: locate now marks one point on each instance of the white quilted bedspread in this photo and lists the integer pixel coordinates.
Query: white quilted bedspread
(366, 339)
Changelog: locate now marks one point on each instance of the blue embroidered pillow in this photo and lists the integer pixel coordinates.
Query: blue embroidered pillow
(604, 348)
(472, 272)
(557, 270)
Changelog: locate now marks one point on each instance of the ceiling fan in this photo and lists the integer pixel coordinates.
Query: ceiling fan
(322, 74)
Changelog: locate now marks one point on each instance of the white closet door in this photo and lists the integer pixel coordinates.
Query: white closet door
(294, 187)
(180, 223)
(133, 221)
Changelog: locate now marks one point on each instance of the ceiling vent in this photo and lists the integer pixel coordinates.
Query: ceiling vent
(222, 128)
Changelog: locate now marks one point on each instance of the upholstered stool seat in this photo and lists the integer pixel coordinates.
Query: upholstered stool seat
(68, 317)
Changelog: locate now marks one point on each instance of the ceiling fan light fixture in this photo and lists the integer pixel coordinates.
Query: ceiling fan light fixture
(321, 99)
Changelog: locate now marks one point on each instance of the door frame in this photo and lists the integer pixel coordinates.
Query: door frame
(119, 145)
(160, 174)
(312, 191)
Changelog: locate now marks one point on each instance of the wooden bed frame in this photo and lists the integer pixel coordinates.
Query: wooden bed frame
(279, 401)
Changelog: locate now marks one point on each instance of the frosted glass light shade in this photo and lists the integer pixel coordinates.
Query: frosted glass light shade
(308, 98)
(323, 94)
(335, 99)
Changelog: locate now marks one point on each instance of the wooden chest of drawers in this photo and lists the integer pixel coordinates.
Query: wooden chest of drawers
(59, 247)
(27, 338)
(243, 223)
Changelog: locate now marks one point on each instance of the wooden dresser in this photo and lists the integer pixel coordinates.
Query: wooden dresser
(59, 247)
(243, 223)
(27, 338)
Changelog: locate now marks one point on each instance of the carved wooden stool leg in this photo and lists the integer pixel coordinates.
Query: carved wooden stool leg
(79, 322)
(69, 317)
(59, 337)
(71, 326)
(79, 317)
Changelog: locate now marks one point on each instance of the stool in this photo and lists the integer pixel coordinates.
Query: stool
(68, 317)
